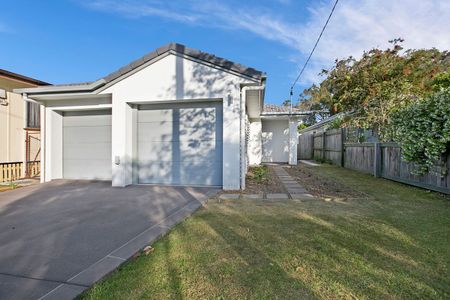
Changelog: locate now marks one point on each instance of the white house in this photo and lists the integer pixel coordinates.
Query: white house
(175, 116)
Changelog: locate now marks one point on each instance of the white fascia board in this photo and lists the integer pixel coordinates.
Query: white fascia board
(62, 88)
(68, 96)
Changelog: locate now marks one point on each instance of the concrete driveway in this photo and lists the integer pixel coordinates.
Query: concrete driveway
(58, 238)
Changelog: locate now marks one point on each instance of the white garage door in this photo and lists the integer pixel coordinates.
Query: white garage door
(87, 145)
(180, 143)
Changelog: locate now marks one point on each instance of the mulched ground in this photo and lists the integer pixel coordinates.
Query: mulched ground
(322, 186)
(270, 185)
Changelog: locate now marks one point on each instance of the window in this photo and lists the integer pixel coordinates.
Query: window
(33, 115)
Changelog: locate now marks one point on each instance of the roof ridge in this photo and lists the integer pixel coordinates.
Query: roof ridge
(175, 47)
(182, 49)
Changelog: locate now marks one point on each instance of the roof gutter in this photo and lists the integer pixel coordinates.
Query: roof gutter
(63, 88)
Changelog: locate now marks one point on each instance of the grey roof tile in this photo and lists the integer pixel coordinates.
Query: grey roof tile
(177, 48)
(279, 108)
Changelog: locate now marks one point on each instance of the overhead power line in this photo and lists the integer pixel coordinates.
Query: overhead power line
(312, 51)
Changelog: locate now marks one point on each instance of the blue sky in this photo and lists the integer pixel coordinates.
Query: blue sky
(77, 40)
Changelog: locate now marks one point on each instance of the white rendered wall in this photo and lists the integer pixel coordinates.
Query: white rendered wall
(275, 141)
(52, 132)
(175, 78)
(53, 144)
(293, 141)
(254, 147)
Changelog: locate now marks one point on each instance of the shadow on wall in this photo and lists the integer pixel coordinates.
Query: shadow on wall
(182, 143)
(275, 141)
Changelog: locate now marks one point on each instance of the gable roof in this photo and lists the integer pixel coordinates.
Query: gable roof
(22, 78)
(172, 47)
(273, 108)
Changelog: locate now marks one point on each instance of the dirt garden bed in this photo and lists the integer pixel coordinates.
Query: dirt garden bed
(322, 186)
(261, 180)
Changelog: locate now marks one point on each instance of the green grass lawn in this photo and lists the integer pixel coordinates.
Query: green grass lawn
(392, 243)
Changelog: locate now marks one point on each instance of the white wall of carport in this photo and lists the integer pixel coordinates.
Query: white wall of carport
(254, 147)
(52, 132)
(275, 140)
(174, 78)
(53, 141)
(280, 139)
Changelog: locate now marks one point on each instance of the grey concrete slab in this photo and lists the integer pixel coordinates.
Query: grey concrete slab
(277, 196)
(302, 196)
(64, 291)
(293, 185)
(176, 218)
(253, 196)
(14, 287)
(230, 196)
(51, 232)
(299, 192)
(289, 182)
(97, 271)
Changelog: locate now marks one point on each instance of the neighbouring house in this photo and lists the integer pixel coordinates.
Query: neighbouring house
(19, 126)
(175, 116)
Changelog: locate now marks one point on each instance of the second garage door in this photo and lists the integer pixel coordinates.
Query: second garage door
(180, 144)
(87, 145)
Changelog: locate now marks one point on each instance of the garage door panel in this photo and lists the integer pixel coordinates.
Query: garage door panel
(180, 113)
(180, 144)
(82, 151)
(176, 151)
(75, 119)
(87, 145)
(87, 135)
(147, 132)
(190, 173)
(87, 169)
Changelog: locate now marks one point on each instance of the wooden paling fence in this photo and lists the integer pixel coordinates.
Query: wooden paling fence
(380, 159)
(13, 170)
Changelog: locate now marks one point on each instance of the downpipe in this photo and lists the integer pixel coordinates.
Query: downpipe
(243, 169)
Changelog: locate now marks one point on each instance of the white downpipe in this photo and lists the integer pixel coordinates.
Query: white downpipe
(244, 90)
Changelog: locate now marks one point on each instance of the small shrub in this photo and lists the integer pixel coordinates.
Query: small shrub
(12, 185)
(259, 173)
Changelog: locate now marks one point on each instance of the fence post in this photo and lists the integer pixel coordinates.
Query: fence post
(377, 159)
(342, 147)
(323, 144)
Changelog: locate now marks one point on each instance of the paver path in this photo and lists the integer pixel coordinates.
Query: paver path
(295, 189)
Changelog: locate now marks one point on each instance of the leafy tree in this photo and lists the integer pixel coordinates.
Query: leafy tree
(286, 103)
(378, 84)
(313, 100)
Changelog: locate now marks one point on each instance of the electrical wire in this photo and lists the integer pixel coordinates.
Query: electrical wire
(314, 48)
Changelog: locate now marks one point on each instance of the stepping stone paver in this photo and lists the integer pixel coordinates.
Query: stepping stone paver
(295, 189)
(302, 196)
(253, 196)
(229, 196)
(277, 196)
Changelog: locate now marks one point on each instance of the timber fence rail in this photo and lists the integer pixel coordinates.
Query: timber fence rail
(11, 171)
